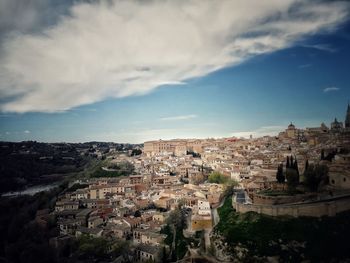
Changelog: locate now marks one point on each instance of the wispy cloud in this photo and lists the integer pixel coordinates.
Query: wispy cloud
(262, 131)
(82, 59)
(141, 135)
(178, 118)
(322, 47)
(84, 109)
(329, 89)
(304, 66)
(26, 131)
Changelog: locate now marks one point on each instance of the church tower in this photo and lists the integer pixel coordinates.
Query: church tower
(347, 119)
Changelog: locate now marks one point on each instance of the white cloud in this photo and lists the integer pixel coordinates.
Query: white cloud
(26, 132)
(123, 48)
(178, 118)
(262, 131)
(140, 135)
(329, 89)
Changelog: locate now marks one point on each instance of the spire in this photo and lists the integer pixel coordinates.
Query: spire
(347, 118)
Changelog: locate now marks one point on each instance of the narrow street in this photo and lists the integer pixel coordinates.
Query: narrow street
(215, 221)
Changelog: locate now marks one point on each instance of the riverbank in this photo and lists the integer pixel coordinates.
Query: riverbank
(31, 190)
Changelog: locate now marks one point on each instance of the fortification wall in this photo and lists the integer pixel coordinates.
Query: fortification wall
(278, 200)
(315, 209)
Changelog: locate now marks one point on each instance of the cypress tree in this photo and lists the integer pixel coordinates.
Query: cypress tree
(295, 165)
(296, 169)
(279, 175)
(322, 154)
(306, 164)
(287, 164)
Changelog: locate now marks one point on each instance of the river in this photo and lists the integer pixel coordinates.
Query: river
(30, 190)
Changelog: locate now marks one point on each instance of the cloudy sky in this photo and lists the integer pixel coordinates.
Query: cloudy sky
(130, 71)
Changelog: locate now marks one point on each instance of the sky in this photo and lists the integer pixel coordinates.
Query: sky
(132, 71)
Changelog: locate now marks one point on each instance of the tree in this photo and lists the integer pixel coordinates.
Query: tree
(135, 152)
(315, 176)
(292, 179)
(137, 213)
(230, 187)
(91, 247)
(330, 156)
(217, 178)
(322, 154)
(295, 167)
(279, 175)
(169, 234)
(306, 165)
(177, 217)
(164, 255)
(287, 164)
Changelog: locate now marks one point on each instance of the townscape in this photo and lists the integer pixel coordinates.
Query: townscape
(170, 131)
(297, 173)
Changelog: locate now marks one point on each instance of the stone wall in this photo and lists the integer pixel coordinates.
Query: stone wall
(313, 209)
(282, 199)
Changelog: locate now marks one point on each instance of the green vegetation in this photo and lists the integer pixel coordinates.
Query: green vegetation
(136, 152)
(30, 163)
(194, 154)
(90, 247)
(170, 235)
(291, 174)
(315, 176)
(217, 178)
(96, 249)
(292, 179)
(114, 170)
(280, 175)
(177, 223)
(175, 239)
(293, 239)
(25, 240)
(22, 239)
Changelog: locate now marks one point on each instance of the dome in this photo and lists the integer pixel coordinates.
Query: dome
(291, 126)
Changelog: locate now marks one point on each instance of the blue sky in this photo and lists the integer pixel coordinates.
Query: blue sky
(304, 80)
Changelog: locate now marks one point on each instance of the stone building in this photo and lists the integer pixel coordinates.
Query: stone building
(336, 125)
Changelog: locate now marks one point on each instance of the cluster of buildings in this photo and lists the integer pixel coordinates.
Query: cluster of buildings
(254, 161)
(170, 172)
(136, 207)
